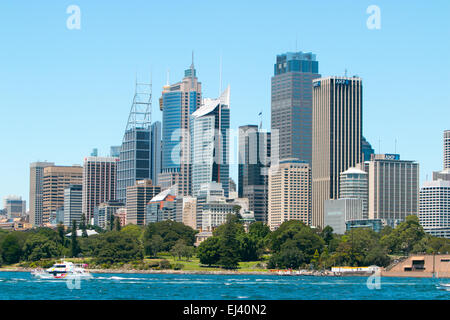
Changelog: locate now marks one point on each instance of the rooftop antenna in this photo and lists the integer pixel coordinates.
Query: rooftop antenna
(345, 73)
(379, 145)
(220, 75)
(395, 146)
(260, 120)
(192, 70)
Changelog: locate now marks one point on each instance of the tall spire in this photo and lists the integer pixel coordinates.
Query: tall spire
(192, 70)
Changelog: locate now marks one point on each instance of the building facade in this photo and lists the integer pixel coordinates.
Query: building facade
(135, 153)
(105, 213)
(337, 136)
(434, 208)
(56, 180)
(291, 104)
(354, 185)
(72, 204)
(138, 196)
(210, 126)
(99, 183)
(253, 169)
(393, 188)
(446, 149)
(161, 207)
(37, 191)
(339, 211)
(289, 192)
(15, 207)
(177, 103)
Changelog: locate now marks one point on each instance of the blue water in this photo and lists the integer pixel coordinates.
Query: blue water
(21, 286)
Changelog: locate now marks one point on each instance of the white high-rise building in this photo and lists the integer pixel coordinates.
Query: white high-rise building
(393, 188)
(434, 208)
(354, 185)
(289, 192)
(37, 191)
(210, 126)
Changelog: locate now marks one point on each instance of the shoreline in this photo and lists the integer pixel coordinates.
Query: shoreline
(230, 272)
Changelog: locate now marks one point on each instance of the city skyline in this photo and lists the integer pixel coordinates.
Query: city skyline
(56, 96)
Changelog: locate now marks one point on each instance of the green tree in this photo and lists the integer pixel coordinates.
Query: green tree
(154, 245)
(290, 257)
(133, 230)
(327, 234)
(179, 249)
(11, 250)
(229, 246)
(61, 234)
(115, 246)
(249, 248)
(208, 251)
(404, 237)
(170, 231)
(117, 225)
(83, 226)
(38, 247)
(75, 248)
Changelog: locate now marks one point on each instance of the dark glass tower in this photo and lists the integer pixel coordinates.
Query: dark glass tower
(135, 154)
(254, 161)
(292, 105)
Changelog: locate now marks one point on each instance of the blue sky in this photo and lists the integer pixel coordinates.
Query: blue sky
(64, 92)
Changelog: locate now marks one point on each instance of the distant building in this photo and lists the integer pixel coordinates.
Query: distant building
(121, 213)
(441, 175)
(210, 125)
(56, 180)
(337, 136)
(254, 164)
(188, 208)
(155, 151)
(138, 196)
(215, 213)
(161, 207)
(339, 211)
(135, 153)
(37, 191)
(374, 224)
(393, 188)
(446, 149)
(434, 208)
(105, 213)
(15, 207)
(177, 103)
(367, 149)
(114, 151)
(208, 192)
(291, 104)
(354, 185)
(289, 192)
(99, 183)
(72, 204)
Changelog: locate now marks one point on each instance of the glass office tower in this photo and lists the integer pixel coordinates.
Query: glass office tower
(292, 105)
(135, 153)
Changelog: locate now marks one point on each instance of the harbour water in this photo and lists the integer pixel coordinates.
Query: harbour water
(22, 286)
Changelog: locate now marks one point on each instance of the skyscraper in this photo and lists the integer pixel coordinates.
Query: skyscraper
(36, 191)
(434, 208)
(135, 153)
(289, 192)
(99, 183)
(393, 188)
(254, 163)
(155, 152)
(446, 149)
(292, 104)
(337, 136)
(138, 196)
(354, 185)
(72, 204)
(367, 149)
(177, 103)
(56, 180)
(15, 207)
(210, 126)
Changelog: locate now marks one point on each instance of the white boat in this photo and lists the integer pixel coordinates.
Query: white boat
(63, 270)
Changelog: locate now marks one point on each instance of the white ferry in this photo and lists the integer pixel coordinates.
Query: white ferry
(63, 270)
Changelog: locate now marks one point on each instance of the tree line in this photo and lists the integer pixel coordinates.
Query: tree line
(293, 245)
